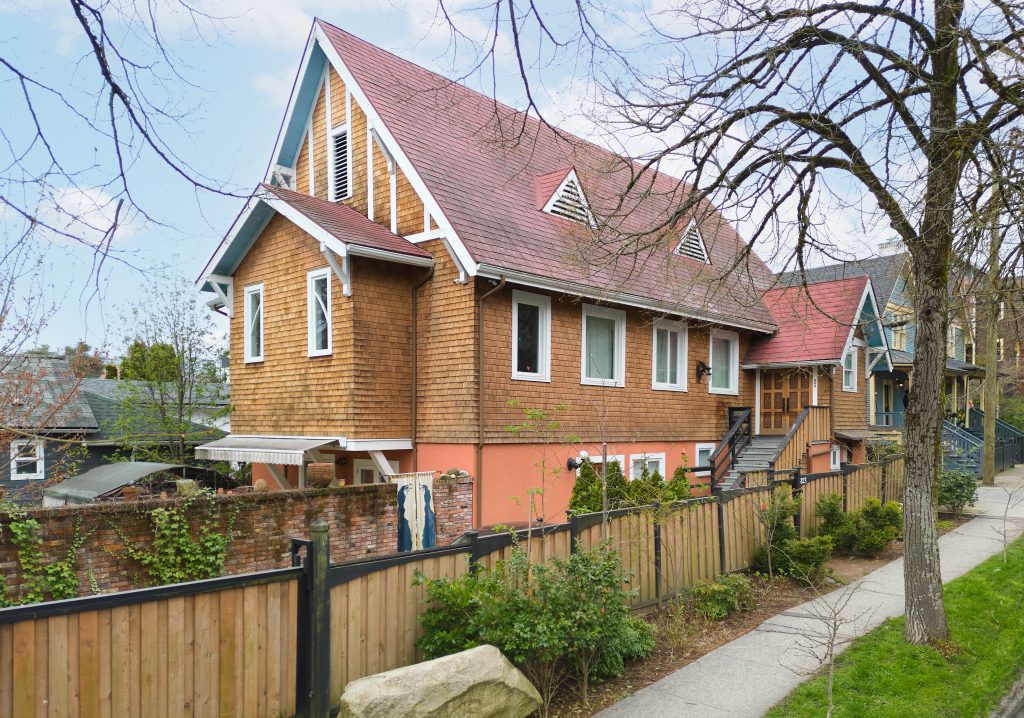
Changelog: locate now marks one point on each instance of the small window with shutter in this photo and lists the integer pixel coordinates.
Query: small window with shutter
(692, 244)
(341, 164)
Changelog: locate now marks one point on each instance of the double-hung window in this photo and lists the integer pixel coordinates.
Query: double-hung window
(850, 369)
(654, 463)
(27, 461)
(725, 363)
(318, 311)
(669, 364)
(531, 336)
(252, 316)
(604, 346)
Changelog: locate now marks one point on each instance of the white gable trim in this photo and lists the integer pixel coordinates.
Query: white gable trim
(374, 120)
(867, 295)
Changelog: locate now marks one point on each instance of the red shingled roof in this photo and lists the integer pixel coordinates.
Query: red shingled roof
(488, 190)
(814, 322)
(345, 223)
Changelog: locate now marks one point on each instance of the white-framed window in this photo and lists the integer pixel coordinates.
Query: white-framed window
(253, 318)
(835, 457)
(364, 471)
(603, 360)
(725, 362)
(318, 312)
(339, 150)
(702, 457)
(596, 460)
(531, 336)
(27, 460)
(668, 370)
(653, 462)
(850, 369)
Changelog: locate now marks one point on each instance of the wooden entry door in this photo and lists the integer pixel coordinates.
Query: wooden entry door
(784, 394)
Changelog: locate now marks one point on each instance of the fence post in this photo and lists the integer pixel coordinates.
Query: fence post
(721, 533)
(474, 550)
(798, 492)
(657, 550)
(313, 678)
(845, 491)
(574, 532)
(885, 480)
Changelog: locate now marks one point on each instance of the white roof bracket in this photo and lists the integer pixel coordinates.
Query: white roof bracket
(341, 271)
(225, 293)
(381, 463)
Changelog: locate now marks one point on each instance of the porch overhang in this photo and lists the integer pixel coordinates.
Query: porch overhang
(290, 450)
(791, 364)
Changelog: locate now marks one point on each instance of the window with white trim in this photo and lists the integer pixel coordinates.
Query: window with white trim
(725, 363)
(850, 369)
(835, 457)
(702, 457)
(340, 152)
(27, 460)
(597, 460)
(252, 316)
(318, 312)
(364, 471)
(603, 361)
(654, 463)
(691, 244)
(668, 371)
(531, 336)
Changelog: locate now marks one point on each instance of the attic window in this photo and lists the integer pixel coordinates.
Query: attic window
(569, 202)
(692, 245)
(341, 164)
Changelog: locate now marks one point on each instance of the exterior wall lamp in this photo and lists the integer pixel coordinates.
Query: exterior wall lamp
(575, 462)
(702, 370)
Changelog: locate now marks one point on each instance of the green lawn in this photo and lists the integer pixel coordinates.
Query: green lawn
(880, 675)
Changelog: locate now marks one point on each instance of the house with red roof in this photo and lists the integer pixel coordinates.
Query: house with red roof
(427, 279)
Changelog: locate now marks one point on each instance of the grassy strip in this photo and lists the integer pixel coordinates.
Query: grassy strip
(880, 675)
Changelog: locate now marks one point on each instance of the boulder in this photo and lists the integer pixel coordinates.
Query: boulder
(478, 683)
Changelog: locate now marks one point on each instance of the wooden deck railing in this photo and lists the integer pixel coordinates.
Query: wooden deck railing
(813, 424)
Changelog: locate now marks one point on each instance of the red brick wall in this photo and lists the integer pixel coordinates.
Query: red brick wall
(362, 519)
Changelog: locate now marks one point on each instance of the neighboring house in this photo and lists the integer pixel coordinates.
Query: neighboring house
(893, 287)
(403, 285)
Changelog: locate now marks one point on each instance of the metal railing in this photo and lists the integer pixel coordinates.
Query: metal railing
(735, 441)
(895, 419)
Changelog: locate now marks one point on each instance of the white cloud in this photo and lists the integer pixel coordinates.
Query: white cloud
(276, 87)
(84, 215)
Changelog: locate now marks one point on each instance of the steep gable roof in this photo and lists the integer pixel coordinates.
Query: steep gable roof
(884, 273)
(481, 161)
(814, 323)
(49, 395)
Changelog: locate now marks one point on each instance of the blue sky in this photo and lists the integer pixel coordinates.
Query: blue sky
(242, 67)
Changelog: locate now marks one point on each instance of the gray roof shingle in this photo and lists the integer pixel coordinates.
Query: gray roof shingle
(884, 272)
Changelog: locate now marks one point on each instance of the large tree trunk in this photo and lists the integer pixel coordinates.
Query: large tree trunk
(990, 316)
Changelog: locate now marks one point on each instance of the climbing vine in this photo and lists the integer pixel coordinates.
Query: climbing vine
(176, 555)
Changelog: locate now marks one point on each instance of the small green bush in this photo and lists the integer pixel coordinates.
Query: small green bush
(718, 599)
(867, 531)
(634, 643)
(957, 489)
(803, 559)
(586, 492)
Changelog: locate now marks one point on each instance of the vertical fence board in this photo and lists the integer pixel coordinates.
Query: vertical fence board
(23, 638)
(7, 663)
(57, 654)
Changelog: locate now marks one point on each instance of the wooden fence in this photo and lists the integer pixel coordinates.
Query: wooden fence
(286, 642)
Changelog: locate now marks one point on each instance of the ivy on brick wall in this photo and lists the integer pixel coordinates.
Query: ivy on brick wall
(176, 555)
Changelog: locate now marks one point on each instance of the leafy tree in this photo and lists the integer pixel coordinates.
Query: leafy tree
(586, 492)
(84, 361)
(150, 362)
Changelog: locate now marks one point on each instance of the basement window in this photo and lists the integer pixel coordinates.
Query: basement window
(569, 202)
(253, 318)
(835, 458)
(692, 245)
(340, 152)
(318, 311)
(531, 336)
(27, 460)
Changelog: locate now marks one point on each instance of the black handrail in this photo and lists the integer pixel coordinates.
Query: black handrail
(734, 441)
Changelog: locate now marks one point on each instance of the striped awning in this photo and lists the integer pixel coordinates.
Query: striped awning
(290, 450)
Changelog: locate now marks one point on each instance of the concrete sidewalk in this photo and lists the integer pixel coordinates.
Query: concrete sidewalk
(746, 677)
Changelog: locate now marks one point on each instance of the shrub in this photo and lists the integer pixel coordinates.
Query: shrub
(867, 531)
(806, 558)
(776, 518)
(566, 619)
(725, 595)
(586, 492)
(957, 489)
(882, 450)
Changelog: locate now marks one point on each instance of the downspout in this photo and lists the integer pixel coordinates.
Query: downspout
(415, 375)
(478, 482)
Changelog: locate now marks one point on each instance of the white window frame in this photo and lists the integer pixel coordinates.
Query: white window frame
(359, 464)
(647, 457)
(681, 352)
(734, 374)
(543, 303)
(40, 459)
(697, 448)
(597, 460)
(852, 387)
(332, 188)
(311, 300)
(835, 457)
(619, 317)
(251, 289)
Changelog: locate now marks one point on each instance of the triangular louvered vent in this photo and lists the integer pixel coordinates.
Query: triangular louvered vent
(692, 245)
(568, 202)
(339, 160)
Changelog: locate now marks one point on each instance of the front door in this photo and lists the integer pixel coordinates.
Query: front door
(784, 394)
(887, 403)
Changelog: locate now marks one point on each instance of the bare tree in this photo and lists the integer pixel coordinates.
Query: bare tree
(785, 109)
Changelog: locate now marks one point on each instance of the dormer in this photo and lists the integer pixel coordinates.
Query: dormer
(691, 244)
(568, 201)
